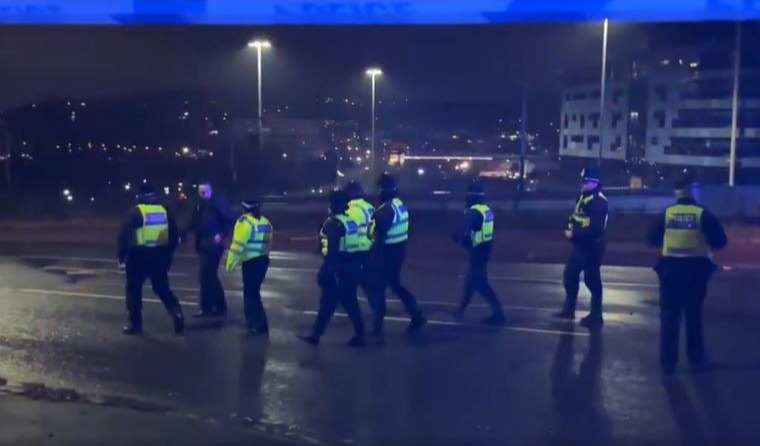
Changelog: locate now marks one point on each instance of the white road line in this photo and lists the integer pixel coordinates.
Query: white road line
(88, 295)
(458, 324)
(308, 312)
(512, 279)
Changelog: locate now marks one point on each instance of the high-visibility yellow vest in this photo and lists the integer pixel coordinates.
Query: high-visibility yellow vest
(252, 237)
(399, 230)
(349, 242)
(683, 232)
(579, 217)
(361, 212)
(485, 234)
(155, 228)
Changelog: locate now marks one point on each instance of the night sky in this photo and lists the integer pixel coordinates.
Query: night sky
(425, 64)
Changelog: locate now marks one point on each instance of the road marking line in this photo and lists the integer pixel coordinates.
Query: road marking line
(459, 324)
(90, 295)
(539, 281)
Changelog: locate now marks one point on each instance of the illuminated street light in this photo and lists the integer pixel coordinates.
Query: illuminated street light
(260, 45)
(373, 73)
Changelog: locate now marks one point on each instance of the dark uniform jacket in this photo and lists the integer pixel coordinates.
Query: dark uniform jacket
(210, 217)
(594, 206)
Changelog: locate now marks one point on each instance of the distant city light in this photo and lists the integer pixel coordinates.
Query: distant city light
(69, 198)
(185, 150)
(66, 192)
(420, 171)
(127, 187)
(284, 155)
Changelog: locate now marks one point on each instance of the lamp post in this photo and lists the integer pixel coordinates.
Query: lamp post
(260, 46)
(373, 73)
(603, 93)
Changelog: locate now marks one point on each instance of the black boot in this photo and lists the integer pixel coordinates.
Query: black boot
(356, 341)
(135, 325)
(416, 324)
(309, 339)
(179, 323)
(132, 329)
(592, 321)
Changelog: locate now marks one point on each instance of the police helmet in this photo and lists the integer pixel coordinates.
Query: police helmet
(251, 204)
(338, 200)
(354, 189)
(386, 182)
(591, 174)
(146, 190)
(686, 180)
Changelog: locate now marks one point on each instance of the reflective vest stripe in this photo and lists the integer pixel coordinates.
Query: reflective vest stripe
(399, 230)
(155, 228)
(485, 234)
(361, 213)
(683, 232)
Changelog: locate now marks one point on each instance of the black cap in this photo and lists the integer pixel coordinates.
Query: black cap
(591, 174)
(251, 203)
(146, 189)
(476, 189)
(685, 180)
(386, 182)
(354, 189)
(338, 200)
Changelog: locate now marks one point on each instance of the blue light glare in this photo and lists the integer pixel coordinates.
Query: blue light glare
(367, 12)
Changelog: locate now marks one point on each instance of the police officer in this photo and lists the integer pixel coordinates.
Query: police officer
(251, 244)
(339, 236)
(389, 232)
(688, 234)
(361, 212)
(476, 235)
(586, 231)
(146, 245)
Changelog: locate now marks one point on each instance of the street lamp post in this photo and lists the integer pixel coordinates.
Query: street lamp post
(735, 106)
(603, 93)
(373, 73)
(260, 45)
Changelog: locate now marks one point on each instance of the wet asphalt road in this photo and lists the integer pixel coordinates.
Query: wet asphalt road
(534, 381)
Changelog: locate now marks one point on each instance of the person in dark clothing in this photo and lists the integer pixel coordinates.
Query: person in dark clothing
(360, 211)
(389, 232)
(336, 276)
(249, 251)
(688, 234)
(586, 231)
(476, 235)
(211, 222)
(146, 244)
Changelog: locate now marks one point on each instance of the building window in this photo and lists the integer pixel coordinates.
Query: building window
(659, 116)
(575, 117)
(564, 142)
(594, 118)
(616, 118)
(655, 140)
(583, 121)
(567, 121)
(577, 139)
(617, 145)
(617, 96)
(591, 141)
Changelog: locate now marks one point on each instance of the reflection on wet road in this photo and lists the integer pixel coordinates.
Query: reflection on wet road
(533, 381)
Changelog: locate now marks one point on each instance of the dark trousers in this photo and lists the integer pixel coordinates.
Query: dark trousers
(588, 262)
(386, 273)
(153, 265)
(338, 288)
(476, 280)
(212, 294)
(682, 293)
(254, 273)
